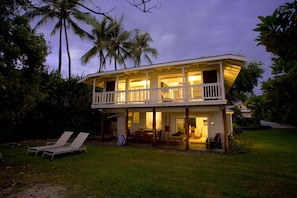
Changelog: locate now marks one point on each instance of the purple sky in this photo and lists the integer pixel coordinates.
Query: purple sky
(181, 30)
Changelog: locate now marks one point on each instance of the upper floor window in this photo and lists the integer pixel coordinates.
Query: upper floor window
(139, 83)
(194, 78)
(171, 80)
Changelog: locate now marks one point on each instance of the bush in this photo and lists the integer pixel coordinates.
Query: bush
(242, 121)
(237, 129)
(239, 146)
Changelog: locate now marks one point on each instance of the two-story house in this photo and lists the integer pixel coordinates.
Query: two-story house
(182, 97)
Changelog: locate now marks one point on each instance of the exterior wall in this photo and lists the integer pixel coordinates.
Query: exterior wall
(215, 123)
(120, 125)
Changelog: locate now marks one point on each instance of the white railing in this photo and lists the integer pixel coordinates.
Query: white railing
(191, 93)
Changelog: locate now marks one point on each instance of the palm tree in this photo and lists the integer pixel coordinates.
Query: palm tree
(100, 35)
(120, 44)
(62, 10)
(142, 47)
(110, 42)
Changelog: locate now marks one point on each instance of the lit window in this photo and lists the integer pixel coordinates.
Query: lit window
(136, 117)
(149, 120)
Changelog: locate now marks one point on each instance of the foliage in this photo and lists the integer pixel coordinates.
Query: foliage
(239, 120)
(257, 105)
(237, 129)
(278, 33)
(246, 81)
(22, 57)
(115, 41)
(67, 107)
(66, 13)
(268, 170)
(120, 45)
(112, 42)
(280, 98)
(142, 48)
(239, 145)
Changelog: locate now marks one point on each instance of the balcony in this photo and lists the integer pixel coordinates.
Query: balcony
(202, 94)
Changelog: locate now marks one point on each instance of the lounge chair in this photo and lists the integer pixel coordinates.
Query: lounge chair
(60, 142)
(76, 145)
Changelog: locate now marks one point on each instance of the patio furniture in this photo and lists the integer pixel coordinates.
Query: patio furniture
(60, 142)
(176, 137)
(214, 143)
(76, 145)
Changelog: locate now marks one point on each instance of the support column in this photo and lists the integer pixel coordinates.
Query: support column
(222, 81)
(102, 125)
(94, 91)
(146, 87)
(226, 140)
(154, 127)
(187, 128)
(126, 125)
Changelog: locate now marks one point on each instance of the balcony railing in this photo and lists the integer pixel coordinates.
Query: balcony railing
(178, 94)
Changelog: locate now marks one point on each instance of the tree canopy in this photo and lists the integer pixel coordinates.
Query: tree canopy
(69, 13)
(278, 33)
(22, 57)
(246, 81)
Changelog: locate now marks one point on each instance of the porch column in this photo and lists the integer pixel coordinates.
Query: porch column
(183, 79)
(222, 81)
(186, 96)
(126, 124)
(226, 140)
(102, 125)
(126, 91)
(154, 127)
(187, 128)
(94, 89)
(116, 90)
(146, 87)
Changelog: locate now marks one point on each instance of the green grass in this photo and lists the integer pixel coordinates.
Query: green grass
(268, 170)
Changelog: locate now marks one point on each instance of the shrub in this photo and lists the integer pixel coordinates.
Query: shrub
(239, 146)
(237, 129)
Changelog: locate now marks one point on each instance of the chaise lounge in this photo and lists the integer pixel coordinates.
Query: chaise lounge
(76, 145)
(62, 141)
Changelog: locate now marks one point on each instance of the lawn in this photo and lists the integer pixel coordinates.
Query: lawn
(268, 170)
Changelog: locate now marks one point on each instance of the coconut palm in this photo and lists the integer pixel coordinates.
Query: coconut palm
(142, 47)
(63, 11)
(100, 35)
(120, 44)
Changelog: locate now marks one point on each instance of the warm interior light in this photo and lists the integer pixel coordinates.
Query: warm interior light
(195, 78)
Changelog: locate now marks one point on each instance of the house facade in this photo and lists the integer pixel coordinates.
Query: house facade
(182, 98)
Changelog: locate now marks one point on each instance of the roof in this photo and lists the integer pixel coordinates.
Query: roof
(231, 69)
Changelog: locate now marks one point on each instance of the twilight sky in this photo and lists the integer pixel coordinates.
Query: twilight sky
(181, 30)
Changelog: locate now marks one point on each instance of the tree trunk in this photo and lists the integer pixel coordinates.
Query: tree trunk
(68, 51)
(60, 48)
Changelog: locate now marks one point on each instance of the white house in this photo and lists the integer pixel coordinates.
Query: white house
(185, 98)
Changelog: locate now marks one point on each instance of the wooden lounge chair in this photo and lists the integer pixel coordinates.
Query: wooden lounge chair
(76, 145)
(60, 142)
